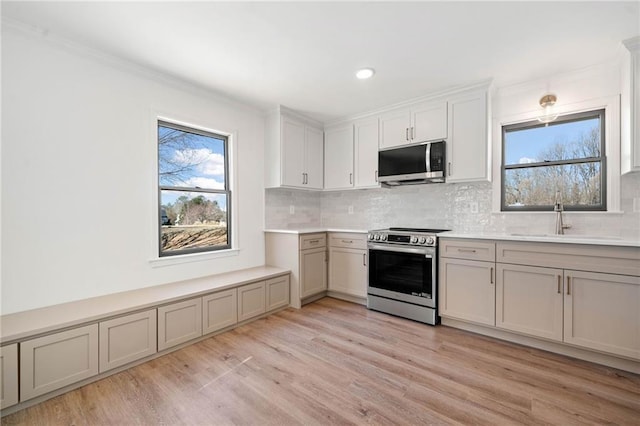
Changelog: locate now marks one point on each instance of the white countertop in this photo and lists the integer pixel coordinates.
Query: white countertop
(314, 230)
(548, 238)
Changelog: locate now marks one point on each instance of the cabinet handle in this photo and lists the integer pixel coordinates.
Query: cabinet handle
(491, 275)
(413, 132)
(568, 285)
(406, 133)
(376, 175)
(314, 241)
(306, 178)
(350, 178)
(303, 182)
(559, 284)
(364, 259)
(466, 250)
(449, 171)
(347, 241)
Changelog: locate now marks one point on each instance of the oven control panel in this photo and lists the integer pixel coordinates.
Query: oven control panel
(407, 239)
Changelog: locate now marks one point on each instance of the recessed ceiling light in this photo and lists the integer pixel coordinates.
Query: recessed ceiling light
(365, 73)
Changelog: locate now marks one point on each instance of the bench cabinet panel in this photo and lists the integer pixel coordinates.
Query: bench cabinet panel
(179, 323)
(219, 310)
(127, 339)
(8, 375)
(57, 360)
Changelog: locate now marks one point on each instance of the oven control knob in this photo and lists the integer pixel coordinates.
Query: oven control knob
(383, 237)
(414, 240)
(422, 240)
(376, 237)
(371, 236)
(430, 240)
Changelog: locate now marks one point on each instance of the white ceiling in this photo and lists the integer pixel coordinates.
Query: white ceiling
(303, 55)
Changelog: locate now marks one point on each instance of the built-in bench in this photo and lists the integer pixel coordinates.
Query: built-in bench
(48, 351)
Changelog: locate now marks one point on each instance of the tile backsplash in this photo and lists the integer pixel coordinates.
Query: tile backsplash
(462, 207)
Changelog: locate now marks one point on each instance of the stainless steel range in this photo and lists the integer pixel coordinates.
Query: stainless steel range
(403, 273)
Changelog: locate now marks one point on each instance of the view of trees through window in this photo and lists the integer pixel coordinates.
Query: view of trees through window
(194, 193)
(565, 156)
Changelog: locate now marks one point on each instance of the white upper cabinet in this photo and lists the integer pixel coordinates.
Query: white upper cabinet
(421, 122)
(468, 141)
(366, 153)
(294, 152)
(631, 107)
(338, 157)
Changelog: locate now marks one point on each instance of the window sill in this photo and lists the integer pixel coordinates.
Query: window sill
(160, 262)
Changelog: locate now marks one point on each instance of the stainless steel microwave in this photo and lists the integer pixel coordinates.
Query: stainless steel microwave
(412, 164)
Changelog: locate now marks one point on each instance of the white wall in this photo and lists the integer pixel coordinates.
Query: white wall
(78, 174)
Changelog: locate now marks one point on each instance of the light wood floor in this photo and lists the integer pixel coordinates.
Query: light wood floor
(334, 362)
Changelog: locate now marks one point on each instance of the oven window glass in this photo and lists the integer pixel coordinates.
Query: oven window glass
(401, 272)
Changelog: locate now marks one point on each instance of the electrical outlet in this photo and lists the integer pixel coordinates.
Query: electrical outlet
(350, 209)
(292, 209)
(473, 207)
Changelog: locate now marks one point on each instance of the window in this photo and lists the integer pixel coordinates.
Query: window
(565, 156)
(194, 194)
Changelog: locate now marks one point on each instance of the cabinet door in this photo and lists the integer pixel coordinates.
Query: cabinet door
(366, 153)
(251, 300)
(127, 339)
(529, 300)
(314, 158)
(8, 375)
(179, 323)
(293, 152)
(394, 128)
(277, 292)
(467, 290)
(57, 360)
(429, 122)
(338, 158)
(602, 312)
(348, 271)
(313, 271)
(219, 310)
(467, 147)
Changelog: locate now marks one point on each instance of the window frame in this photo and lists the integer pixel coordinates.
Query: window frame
(567, 118)
(227, 191)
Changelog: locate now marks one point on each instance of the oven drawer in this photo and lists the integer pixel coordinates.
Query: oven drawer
(468, 249)
(310, 241)
(347, 240)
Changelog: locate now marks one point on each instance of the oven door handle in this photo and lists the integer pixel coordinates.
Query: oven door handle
(425, 251)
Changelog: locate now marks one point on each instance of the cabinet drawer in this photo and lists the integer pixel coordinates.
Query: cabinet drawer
(313, 241)
(8, 375)
(57, 360)
(127, 339)
(468, 249)
(179, 323)
(345, 240)
(219, 310)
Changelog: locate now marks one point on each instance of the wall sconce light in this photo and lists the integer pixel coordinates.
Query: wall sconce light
(547, 102)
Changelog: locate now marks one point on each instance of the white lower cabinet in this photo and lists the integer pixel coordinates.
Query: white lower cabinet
(127, 339)
(179, 323)
(529, 300)
(313, 271)
(467, 290)
(219, 310)
(277, 292)
(57, 360)
(8, 375)
(602, 312)
(251, 300)
(348, 271)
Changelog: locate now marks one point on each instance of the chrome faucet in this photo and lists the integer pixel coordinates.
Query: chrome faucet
(559, 208)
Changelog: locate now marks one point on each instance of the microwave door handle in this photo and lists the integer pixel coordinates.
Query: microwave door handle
(428, 158)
